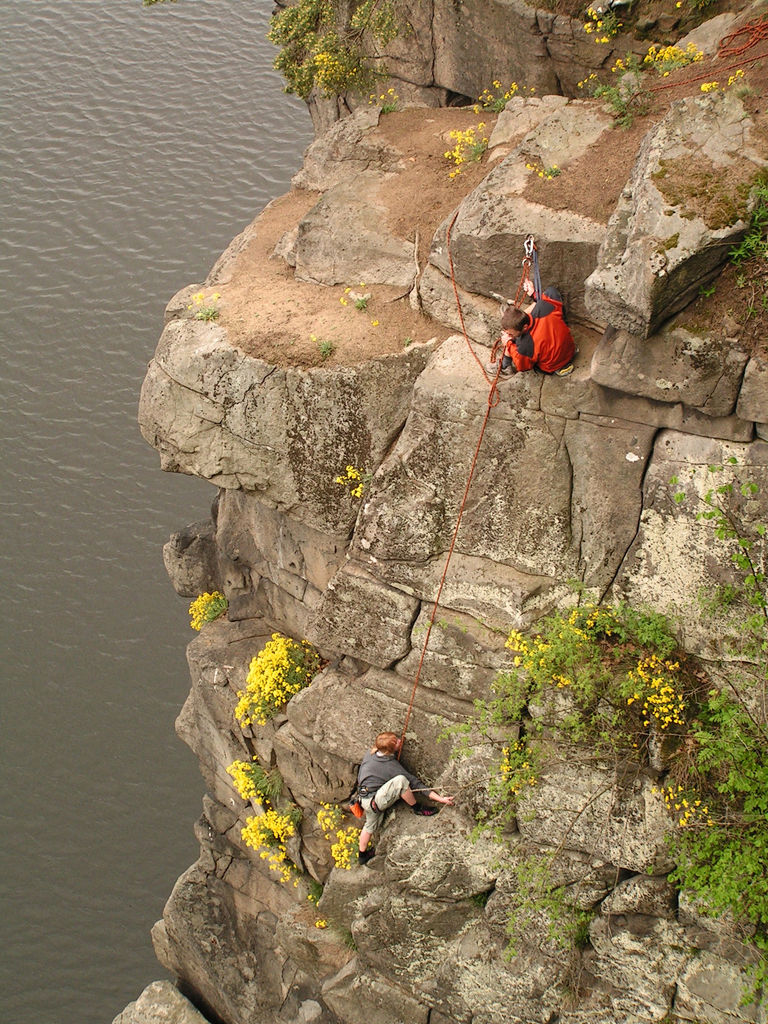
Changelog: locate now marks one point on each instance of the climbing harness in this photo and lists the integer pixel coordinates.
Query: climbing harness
(493, 400)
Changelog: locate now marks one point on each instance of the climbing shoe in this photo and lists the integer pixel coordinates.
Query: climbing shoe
(424, 811)
(363, 856)
(564, 371)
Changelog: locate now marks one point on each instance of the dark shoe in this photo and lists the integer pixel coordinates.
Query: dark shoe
(565, 371)
(363, 856)
(424, 811)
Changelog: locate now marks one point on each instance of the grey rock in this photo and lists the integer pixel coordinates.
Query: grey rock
(713, 989)
(493, 222)
(753, 397)
(642, 895)
(343, 238)
(674, 557)
(160, 1003)
(363, 617)
(382, 1001)
(656, 255)
(214, 412)
(608, 462)
(701, 370)
(191, 560)
(344, 151)
(582, 807)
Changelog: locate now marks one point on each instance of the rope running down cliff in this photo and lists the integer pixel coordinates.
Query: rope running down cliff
(493, 400)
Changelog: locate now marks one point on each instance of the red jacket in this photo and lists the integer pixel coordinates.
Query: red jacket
(547, 344)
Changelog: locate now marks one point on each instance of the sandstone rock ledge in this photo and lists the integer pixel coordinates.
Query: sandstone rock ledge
(571, 483)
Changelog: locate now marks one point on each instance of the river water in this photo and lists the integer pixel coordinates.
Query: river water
(136, 143)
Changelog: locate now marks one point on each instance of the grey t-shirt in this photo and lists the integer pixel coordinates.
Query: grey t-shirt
(376, 769)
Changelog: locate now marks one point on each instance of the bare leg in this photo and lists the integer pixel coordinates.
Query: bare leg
(408, 796)
(365, 838)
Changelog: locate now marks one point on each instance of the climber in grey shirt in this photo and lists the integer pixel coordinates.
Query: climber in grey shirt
(381, 782)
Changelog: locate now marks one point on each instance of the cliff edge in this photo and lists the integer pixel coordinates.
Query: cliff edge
(350, 326)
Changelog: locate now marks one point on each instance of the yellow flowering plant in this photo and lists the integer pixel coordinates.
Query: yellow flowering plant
(281, 669)
(204, 307)
(355, 480)
(602, 25)
(251, 780)
(496, 98)
(547, 173)
(344, 840)
(268, 833)
(665, 59)
(387, 101)
(207, 608)
(469, 146)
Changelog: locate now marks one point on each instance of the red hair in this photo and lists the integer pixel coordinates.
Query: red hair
(387, 743)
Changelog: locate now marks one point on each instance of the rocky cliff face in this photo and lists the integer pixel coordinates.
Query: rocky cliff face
(571, 484)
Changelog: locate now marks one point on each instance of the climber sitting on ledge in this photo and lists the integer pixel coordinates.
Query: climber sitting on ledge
(381, 782)
(537, 337)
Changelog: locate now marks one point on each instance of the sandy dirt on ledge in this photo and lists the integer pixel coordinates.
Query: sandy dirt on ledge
(270, 314)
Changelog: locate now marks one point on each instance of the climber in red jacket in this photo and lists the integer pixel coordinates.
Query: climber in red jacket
(537, 338)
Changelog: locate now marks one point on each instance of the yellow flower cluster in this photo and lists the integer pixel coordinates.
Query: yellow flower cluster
(321, 923)
(593, 77)
(655, 686)
(496, 99)
(354, 479)
(515, 769)
(268, 833)
(206, 608)
(388, 101)
(242, 776)
(709, 86)
(344, 841)
(469, 147)
(665, 59)
(604, 24)
(204, 308)
(329, 71)
(329, 817)
(687, 811)
(544, 172)
(276, 674)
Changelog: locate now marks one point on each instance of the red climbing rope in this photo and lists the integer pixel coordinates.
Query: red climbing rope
(493, 400)
(752, 33)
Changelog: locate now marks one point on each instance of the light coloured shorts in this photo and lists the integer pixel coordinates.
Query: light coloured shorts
(384, 796)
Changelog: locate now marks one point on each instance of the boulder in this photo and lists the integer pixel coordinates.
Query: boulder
(703, 370)
(191, 559)
(344, 151)
(363, 617)
(678, 215)
(753, 397)
(493, 222)
(160, 1003)
(642, 957)
(582, 806)
(655, 897)
(344, 238)
(714, 990)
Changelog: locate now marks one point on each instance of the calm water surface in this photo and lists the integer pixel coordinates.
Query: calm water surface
(136, 143)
